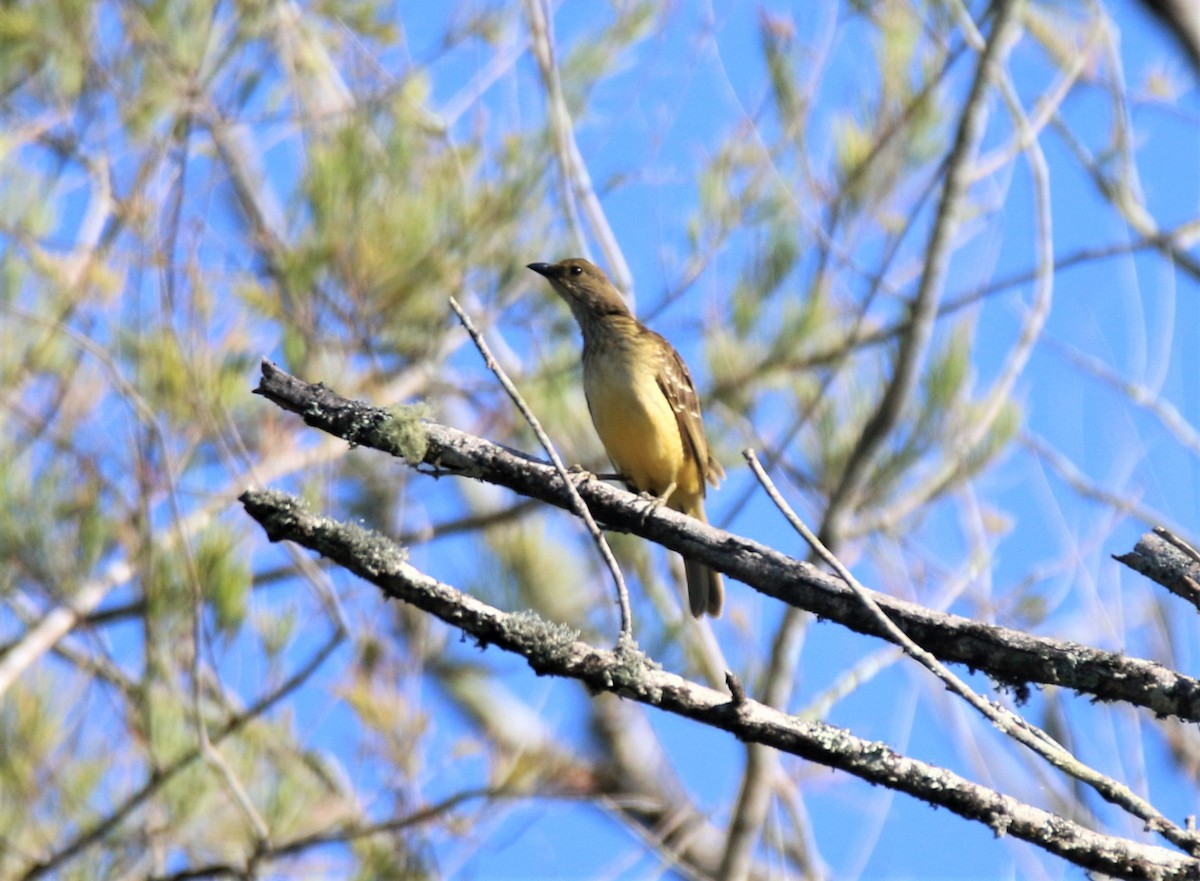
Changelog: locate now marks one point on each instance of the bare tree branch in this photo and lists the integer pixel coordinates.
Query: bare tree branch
(1168, 560)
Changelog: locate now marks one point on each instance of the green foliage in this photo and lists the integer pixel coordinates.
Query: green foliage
(772, 265)
(31, 727)
(170, 731)
(999, 436)
(166, 379)
(224, 576)
(944, 380)
(180, 27)
(52, 39)
(366, 19)
(398, 218)
(382, 858)
(943, 384)
(60, 533)
(778, 40)
(899, 129)
(276, 629)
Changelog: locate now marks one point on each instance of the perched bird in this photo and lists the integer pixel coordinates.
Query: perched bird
(644, 406)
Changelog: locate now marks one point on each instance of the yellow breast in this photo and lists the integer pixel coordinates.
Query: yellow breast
(636, 423)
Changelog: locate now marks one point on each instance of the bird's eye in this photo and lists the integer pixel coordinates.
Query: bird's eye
(576, 270)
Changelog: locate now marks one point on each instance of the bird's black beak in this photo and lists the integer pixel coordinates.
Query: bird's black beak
(541, 268)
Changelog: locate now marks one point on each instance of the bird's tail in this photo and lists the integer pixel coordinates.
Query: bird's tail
(706, 588)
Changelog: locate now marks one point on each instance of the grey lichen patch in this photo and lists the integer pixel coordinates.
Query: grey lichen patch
(833, 739)
(552, 639)
(406, 433)
(375, 554)
(629, 673)
(629, 654)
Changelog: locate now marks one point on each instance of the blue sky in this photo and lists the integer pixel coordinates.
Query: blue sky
(653, 123)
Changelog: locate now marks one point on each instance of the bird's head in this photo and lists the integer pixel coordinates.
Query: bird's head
(584, 286)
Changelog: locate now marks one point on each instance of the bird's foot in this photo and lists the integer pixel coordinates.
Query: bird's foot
(654, 502)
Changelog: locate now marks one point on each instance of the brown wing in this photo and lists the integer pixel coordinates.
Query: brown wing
(676, 384)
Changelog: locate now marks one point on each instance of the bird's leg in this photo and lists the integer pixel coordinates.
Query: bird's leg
(654, 502)
(583, 475)
(579, 475)
(597, 475)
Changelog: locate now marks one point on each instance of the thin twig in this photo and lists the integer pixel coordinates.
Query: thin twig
(1126, 200)
(345, 835)
(753, 798)
(1124, 503)
(577, 504)
(1139, 394)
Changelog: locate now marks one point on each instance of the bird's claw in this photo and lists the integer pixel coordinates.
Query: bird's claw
(654, 502)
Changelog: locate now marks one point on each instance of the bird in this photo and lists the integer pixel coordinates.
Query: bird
(644, 406)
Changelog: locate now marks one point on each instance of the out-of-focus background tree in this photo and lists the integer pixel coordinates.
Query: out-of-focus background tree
(188, 186)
